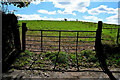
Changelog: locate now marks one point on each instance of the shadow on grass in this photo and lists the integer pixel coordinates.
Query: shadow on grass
(110, 50)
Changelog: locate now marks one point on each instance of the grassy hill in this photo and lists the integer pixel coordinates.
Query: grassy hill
(66, 60)
(107, 34)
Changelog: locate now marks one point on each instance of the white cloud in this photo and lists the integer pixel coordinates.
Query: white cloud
(47, 12)
(112, 19)
(92, 18)
(38, 17)
(105, 0)
(71, 5)
(63, 12)
(36, 2)
(29, 17)
(103, 9)
(54, 12)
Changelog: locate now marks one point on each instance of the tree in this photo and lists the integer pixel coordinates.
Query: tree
(65, 19)
(18, 4)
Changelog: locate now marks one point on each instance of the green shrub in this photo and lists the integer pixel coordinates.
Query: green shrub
(92, 58)
(62, 57)
(73, 57)
(86, 53)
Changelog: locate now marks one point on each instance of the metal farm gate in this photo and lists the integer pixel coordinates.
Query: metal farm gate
(59, 41)
(45, 42)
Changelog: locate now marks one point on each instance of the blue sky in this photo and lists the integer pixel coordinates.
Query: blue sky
(87, 10)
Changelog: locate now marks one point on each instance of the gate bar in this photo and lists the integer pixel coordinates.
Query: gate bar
(59, 50)
(77, 51)
(41, 41)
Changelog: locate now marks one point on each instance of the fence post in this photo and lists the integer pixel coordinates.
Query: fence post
(100, 53)
(24, 29)
(98, 37)
(118, 36)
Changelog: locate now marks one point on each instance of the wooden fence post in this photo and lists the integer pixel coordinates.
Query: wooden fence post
(24, 29)
(100, 53)
(117, 36)
(98, 35)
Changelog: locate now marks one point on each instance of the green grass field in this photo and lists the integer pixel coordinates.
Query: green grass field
(86, 58)
(107, 34)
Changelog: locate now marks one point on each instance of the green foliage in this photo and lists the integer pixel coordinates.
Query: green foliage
(89, 55)
(85, 56)
(114, 60)
(92, 58)
(18, 4)
(85, 59)
(62, 57)
(73, 57)
(86, 53)
(29, 53)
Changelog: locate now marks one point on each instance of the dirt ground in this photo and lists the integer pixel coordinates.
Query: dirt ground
(88, 73)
